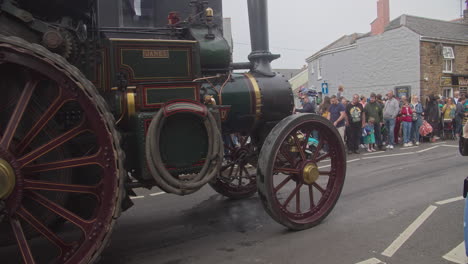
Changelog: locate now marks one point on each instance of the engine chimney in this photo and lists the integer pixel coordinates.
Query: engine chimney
(261, 56)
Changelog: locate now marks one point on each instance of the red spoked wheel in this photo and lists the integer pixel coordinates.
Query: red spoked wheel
(61, 168)
(301, 170)
(237, 177)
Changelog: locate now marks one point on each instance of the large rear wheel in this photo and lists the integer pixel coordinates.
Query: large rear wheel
(61, 168)
(301, 170)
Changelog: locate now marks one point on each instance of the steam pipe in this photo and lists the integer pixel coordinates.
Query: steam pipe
(261, 56)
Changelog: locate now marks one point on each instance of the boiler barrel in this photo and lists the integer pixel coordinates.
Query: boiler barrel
(255, 99)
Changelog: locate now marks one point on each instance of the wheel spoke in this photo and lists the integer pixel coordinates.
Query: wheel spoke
(300, 147)
(42, 122)
(18, 114)
(231, 170)
(325, 173)
(21, 240)
(59, 210)
(42, 229)
(323, 157)
(247, 174)
(63, 164)
(317, 151)
(286, 156)
(308, 134)
(53, 144)
(291, 196)
(318, 187)
(49, 186)
(298, 200)
(282, 184)
(311, 196)
(243, 140)
(286, 170)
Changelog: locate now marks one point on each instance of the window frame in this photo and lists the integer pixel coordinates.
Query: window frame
(450, 94)
(319, 70)
(450, 55)
(445, 64)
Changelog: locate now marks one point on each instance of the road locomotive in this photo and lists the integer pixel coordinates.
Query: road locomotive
(100, 97)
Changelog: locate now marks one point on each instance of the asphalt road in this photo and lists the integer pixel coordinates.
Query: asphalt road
(393, 209)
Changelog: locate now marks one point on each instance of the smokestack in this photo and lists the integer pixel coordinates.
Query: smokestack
(261, 56)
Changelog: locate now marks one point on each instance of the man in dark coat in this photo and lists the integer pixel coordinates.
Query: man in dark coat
(432, 115)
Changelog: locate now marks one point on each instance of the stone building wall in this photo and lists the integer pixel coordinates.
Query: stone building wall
(432, 74)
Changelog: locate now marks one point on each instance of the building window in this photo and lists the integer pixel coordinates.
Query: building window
(463, 90)
(449, 57)
(319, 70)
(448, 92)
(448, 66)
(311, 69)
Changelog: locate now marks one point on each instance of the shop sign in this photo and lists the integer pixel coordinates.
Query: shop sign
(462, 81)
(445, 81)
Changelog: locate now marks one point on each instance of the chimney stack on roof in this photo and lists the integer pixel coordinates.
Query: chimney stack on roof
(383, 17)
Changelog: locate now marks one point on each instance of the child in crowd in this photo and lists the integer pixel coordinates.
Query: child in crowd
(370, 138)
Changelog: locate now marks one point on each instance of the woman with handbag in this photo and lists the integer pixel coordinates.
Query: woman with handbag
(417, 117)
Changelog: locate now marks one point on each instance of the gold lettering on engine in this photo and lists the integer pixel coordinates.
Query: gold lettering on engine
(155, 54)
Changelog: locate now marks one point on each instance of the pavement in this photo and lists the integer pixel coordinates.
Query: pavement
(398, 206)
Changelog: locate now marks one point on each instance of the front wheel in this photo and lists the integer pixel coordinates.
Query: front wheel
(301, 171)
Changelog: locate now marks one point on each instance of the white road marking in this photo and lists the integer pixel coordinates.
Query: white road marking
(326, 166)
(389, 155)
(451, 146)
(373, 153)
(405, 148)
(371, 261)
(349, 161)
(451, 200)
(156, 194)
(457, 255)
(401, 239)
(137, 197)
(424, 150)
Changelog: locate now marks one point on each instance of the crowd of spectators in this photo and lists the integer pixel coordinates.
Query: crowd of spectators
(383, 122)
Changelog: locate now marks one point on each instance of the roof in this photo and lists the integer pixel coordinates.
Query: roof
(425, 27)
(288, 73)
(344, 41)
(431, 28)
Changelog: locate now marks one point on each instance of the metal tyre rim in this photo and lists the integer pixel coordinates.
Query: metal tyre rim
(301, 171)
(97, 168)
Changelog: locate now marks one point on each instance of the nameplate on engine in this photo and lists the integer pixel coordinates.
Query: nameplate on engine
(155, 54)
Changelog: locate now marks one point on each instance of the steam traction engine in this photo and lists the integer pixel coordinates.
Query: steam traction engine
(99, 97)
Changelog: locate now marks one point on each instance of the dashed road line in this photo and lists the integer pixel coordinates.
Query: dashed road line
(403, 237)
(137, 197)
(451, 200)
(353, 160)
(371, 261)
(457, 255)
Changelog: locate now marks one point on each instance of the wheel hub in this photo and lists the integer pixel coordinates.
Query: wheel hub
(7, 179)
(310, 173)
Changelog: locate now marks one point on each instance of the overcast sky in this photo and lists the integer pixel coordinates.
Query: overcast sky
(299, 28)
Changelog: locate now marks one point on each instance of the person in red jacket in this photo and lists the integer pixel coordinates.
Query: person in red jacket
(407, 121)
